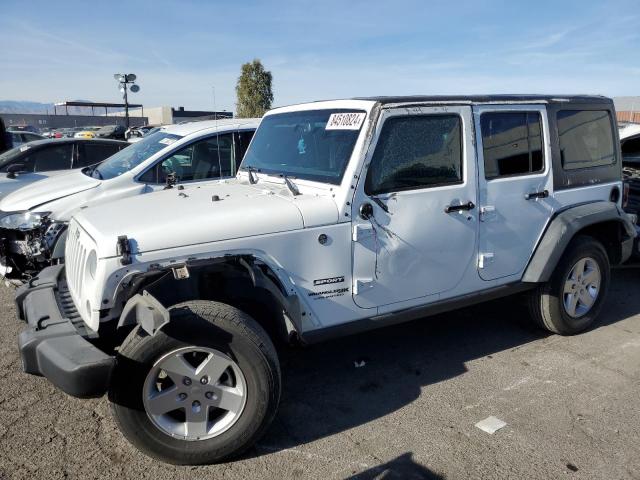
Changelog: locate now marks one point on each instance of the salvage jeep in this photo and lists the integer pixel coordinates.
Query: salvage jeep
(345, 216)
(34, 219)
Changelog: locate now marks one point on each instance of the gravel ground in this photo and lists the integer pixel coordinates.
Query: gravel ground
(570, 405)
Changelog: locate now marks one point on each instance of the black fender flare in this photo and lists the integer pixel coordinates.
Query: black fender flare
(561, 230)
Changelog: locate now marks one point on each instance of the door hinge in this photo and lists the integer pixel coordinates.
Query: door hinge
(360, 285)
(485, 259)
(361, 231)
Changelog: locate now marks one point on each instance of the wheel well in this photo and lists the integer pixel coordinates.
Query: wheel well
(229, 280)
(609, 234)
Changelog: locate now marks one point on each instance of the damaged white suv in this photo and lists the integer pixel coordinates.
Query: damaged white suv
(345, 216)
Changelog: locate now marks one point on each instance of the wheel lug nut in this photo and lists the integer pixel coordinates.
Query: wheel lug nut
(210, 395)
(204, 380)
(186, 381)
(182, 396)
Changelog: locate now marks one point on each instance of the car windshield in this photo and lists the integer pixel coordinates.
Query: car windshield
(129, 158)
(312, 145)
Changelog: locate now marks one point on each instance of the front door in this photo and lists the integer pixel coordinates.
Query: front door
(516, 189)
(414, 215)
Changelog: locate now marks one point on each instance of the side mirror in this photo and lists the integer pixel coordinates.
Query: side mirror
(13, 169)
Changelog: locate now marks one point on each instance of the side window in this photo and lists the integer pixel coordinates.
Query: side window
(92, 153)
(57, 157)
(511, 143)
(416, 152)
(631, 150)
(586, 139)
(210, 158)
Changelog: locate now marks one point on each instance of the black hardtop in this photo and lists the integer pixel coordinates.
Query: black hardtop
(488, 99)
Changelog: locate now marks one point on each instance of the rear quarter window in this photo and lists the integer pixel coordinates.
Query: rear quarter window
(586, 139)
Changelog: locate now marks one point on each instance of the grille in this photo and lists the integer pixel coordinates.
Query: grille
(77, 249)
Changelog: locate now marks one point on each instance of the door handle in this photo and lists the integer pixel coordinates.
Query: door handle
(458, 208)
(542, 194)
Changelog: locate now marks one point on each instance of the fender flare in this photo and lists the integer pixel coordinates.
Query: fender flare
(561, 230)
(144, 309)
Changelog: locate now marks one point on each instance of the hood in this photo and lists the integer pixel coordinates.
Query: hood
(8, 185)
(175, 218)
(47, 190)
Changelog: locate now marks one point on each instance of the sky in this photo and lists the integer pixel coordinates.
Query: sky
(184, 51)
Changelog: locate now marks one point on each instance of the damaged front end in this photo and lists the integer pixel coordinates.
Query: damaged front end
(29, 242)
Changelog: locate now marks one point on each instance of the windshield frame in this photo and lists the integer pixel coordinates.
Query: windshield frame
(247, 164)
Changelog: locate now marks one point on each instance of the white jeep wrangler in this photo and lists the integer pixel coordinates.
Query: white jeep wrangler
(345, 216)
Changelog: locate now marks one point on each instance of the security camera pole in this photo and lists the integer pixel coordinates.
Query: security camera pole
(125, 79)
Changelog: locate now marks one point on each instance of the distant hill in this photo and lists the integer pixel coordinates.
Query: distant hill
(17, 106)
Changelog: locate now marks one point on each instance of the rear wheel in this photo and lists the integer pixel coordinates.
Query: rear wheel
(571, 300)
(201, 390)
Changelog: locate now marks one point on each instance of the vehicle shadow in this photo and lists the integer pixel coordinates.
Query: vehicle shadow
(324, 393)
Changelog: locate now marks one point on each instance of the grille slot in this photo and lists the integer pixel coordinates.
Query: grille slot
(77, 249)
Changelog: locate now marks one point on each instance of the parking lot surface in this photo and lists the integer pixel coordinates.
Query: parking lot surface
(401, 402)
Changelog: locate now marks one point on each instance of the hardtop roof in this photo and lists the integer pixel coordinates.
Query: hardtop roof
(473, 99)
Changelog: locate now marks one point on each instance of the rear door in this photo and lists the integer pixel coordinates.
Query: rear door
(516, 188)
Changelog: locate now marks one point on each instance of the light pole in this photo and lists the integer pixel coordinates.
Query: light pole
(125, 79)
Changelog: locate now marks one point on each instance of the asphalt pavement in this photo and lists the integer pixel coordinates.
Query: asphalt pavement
(401, 402)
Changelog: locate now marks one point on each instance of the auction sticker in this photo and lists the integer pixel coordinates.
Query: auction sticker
(345, 121)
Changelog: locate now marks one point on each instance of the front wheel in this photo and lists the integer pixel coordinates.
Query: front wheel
(201, 390)
(571, 300)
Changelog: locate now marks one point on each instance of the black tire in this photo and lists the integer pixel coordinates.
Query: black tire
(546, 304)
(199, 324)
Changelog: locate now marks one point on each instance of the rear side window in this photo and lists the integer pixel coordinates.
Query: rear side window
(416, 152)
(586, 139)
(56, 157)
(92, 153)
(512, 143)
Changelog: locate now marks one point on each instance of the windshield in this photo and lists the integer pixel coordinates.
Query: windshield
(129, 158)
(312, 145)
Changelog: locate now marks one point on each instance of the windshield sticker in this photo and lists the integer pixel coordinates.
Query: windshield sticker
(167, 141)
(25, 148)
(345, 121)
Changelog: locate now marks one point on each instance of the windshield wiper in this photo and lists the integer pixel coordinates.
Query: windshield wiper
(253, 178)
(293, 188)
(92, 170)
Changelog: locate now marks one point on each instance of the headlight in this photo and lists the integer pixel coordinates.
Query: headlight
(92, 264)
(22, 220)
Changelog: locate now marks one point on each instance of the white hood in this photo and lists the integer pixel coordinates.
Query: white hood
(48, 190)
(174, 218)
(8, 185)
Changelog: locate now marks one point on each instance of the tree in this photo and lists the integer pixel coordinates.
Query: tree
(253, 91)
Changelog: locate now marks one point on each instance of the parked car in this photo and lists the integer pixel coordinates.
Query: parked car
(630, 146)
(33, 220)
(23, 128)
(47, 158)
(87, 132)
(111, 131)
(345, 216)
(20, 137)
